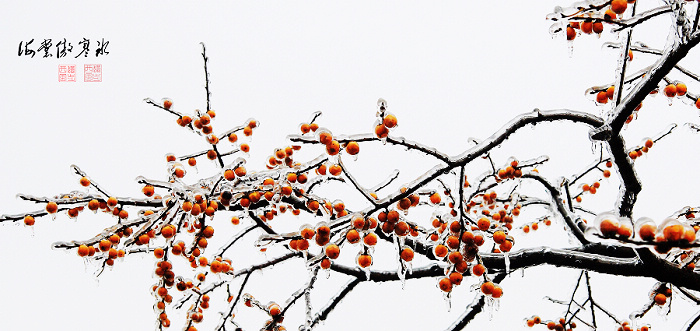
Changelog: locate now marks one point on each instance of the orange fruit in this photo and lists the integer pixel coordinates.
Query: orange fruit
(229, 175)
(364, 260)
(499, 237)
(83, 250)
(497, 292)
(445, 284)
(28, 220)
(681, 89)
(407, 254)
(597, 27)
(456, 278)
(610, 15)
(352, 148)
(570, 33)
(112, 202)
(670, 90)
(660, 299)
(478, 270)
(332, 251)
(325, 263)
(389, 121)
(382, 132)
(168, 231)
(51, 207)
(483, 224)
(435, 198)
(602, 97)
(335, 170)
(610, 92)
(240, 171)
(587, 27)
(370, 239)
(673, 232)
(608, 228)
(333, 147)
(618, 6)
(440, 250)
(325, 137)
(647, 232)
(487, 288)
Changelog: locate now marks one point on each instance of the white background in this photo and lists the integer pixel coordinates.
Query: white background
(449, 71)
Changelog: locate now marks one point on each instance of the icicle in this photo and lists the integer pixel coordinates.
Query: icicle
(448, 300)
(506, 259)
(409, 266)
(402, 275)
(367, 272)
(489, 306)
(571, 48)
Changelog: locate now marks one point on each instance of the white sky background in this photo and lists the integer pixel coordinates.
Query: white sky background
(448, 71)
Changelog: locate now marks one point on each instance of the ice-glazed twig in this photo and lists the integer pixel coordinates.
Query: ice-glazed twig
(323, 312)
(235, 301)
(354, 182)
(307, 287)
(474, 308)
(641, 18)
(399, 141)
(394, 174)
(234, 239)
(692, 321)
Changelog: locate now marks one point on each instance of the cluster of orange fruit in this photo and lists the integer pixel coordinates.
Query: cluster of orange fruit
(670, 233)
(385, 121)
(460, 245)
(282, 156)
(273, 309)
(593, 21)
(627, 327)
(511, 171)
(534, 226)
(678, 89)
(558, 325)
(687, 261)
(639, 151)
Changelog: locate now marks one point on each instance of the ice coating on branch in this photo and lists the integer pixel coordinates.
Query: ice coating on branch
(556, 14)
(506, 260)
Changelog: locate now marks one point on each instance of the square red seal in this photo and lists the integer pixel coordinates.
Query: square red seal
(93, 73)
(66, 72)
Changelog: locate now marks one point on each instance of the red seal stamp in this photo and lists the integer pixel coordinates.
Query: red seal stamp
(93, 73)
